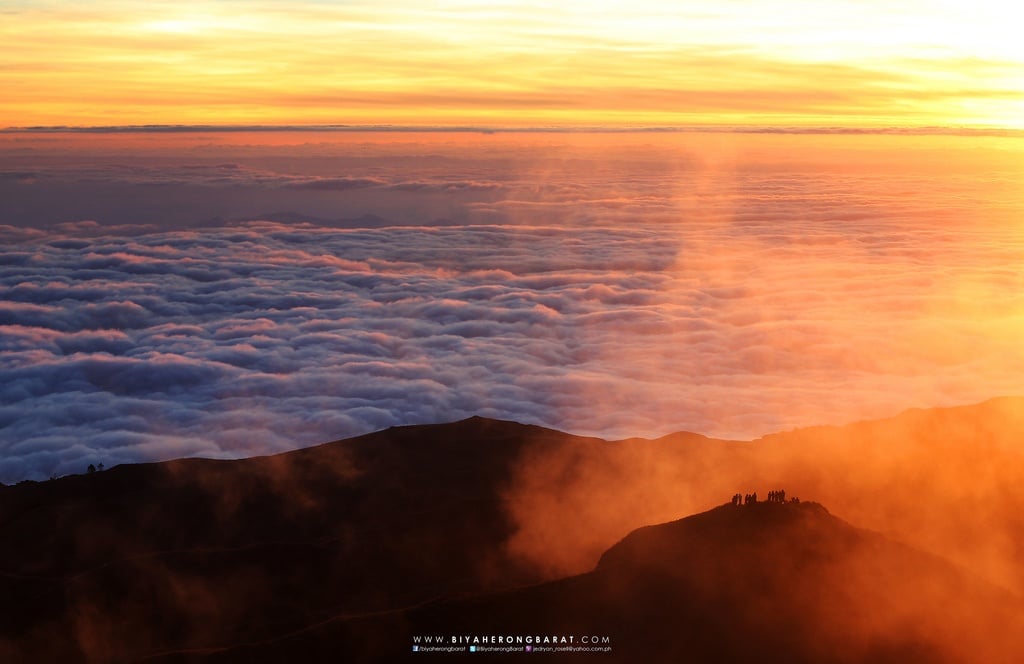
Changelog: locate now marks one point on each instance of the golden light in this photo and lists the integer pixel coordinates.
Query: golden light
(644, 62)
(180, 26)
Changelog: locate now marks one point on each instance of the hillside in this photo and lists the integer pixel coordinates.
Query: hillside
(199, 555)
(949, 481)
(138, 559)
(766, 582)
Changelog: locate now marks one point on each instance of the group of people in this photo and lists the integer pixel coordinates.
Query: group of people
(773, 497)
(744, 500)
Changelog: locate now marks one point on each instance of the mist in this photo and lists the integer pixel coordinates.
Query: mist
(946, 481)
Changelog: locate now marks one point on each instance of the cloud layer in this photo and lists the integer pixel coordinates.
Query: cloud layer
(613, 292)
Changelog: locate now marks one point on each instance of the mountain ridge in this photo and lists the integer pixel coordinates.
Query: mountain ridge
(850, 595)
(938, 412)
(191, 553)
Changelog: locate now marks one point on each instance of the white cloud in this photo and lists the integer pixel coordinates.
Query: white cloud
(579, 293)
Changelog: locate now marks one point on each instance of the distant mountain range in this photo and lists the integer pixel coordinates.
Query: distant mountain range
(351, 550)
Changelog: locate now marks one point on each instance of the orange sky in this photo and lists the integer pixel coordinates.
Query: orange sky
(523, 63)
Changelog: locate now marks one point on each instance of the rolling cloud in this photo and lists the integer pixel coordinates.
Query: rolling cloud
(264, 336)
(626, 290)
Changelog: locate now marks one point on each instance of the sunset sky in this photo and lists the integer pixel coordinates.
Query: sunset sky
(506, 64)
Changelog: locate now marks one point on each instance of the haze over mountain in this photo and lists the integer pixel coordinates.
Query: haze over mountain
(207, 555)
(764, 582)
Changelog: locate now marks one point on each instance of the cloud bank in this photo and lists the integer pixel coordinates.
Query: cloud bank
(616, 290)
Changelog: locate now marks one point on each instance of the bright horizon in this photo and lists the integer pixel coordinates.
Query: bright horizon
(512, 65)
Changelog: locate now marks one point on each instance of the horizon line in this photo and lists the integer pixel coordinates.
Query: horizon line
(930, 130)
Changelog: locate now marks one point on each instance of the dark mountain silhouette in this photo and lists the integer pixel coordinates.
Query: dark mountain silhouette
(946, 480)
(195, 552)
(757, 583)
(331, 549)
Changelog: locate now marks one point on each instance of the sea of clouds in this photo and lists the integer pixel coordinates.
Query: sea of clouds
(227, 309)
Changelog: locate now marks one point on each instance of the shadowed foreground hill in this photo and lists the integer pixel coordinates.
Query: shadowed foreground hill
(949, 481)
(333, 544)
(760, 583)
(140, 559)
